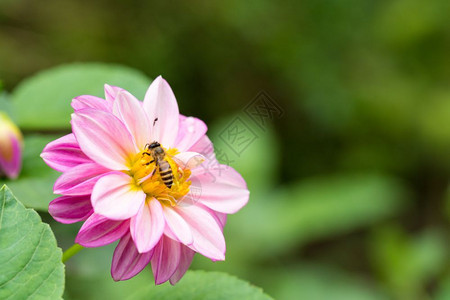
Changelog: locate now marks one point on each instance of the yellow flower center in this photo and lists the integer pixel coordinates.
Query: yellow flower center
(147, 176)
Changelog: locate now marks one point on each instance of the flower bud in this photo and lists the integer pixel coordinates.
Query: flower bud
(11, 143)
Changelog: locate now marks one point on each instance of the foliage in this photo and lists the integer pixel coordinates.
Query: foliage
(204, 285)
(31, 261)
(37, 101)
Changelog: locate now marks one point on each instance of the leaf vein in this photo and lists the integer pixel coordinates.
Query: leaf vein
(26, 265)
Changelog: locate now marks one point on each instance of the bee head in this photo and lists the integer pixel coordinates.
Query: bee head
(154, 145)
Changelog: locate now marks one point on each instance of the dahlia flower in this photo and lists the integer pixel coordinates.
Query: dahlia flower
(10, 148)
(112, 181)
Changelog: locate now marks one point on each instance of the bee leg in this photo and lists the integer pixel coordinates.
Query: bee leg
(149, 162)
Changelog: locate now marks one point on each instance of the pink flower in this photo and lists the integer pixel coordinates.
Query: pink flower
(10, 148)
(112, 181)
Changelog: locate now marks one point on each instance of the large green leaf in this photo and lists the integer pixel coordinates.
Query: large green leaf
(317, 281)
(313, 209)
(30, 259)
(203, 285)
(34, 186)
(43, 101)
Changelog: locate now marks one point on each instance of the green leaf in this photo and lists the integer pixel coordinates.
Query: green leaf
(313, 209)
(203, 285)
(30, 259)
(42, 102)
(34, 186)
(312, 280)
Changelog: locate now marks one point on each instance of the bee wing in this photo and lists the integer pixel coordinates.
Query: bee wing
(188, 160)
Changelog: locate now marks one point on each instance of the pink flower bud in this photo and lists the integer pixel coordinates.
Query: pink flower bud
(11, 144)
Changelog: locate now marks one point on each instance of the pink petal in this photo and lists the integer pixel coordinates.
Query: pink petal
(186, 257)
(130, 111)
(127, 261)
(193, 196)
(223, 190)
(111, 92)
(227, 175)
(79, 180)
(166, 259)
(87, 101)
(169, 233)
(147, 226)
(221, 219)
(178, 226)
(190, 160)
(189, 132)
(162, 110)
(64, 153)
(71, 209)
(208, 236)
(104, 138)
(205, 147)
(116, 197)
(99, 231)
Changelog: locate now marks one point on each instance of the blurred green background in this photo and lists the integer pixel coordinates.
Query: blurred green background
(350, 194)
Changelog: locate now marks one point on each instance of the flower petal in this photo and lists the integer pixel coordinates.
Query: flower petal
(87, 101)
(116, 197)
(166, 259)
(223, 190)
(189, 160)
(130, 111)
(178, 226)
(208, 236)
(189, 132)
(79, 180)
(147, 226)
(162, 111)
(103, 138)
(71, 209)
(186, 256)
(99, 231)
(111, 92)
(205, 147)
(64, 153)
(221, 219)
(127, 261)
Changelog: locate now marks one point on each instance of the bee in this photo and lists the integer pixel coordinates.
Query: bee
(159, 158)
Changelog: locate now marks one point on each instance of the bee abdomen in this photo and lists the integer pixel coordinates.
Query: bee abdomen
(166, 173)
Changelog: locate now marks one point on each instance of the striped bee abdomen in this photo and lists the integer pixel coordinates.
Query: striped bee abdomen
(165, 171)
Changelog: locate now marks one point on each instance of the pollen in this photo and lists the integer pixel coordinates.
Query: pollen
(146, 175)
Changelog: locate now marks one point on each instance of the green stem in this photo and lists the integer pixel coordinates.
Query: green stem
(71, 252)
